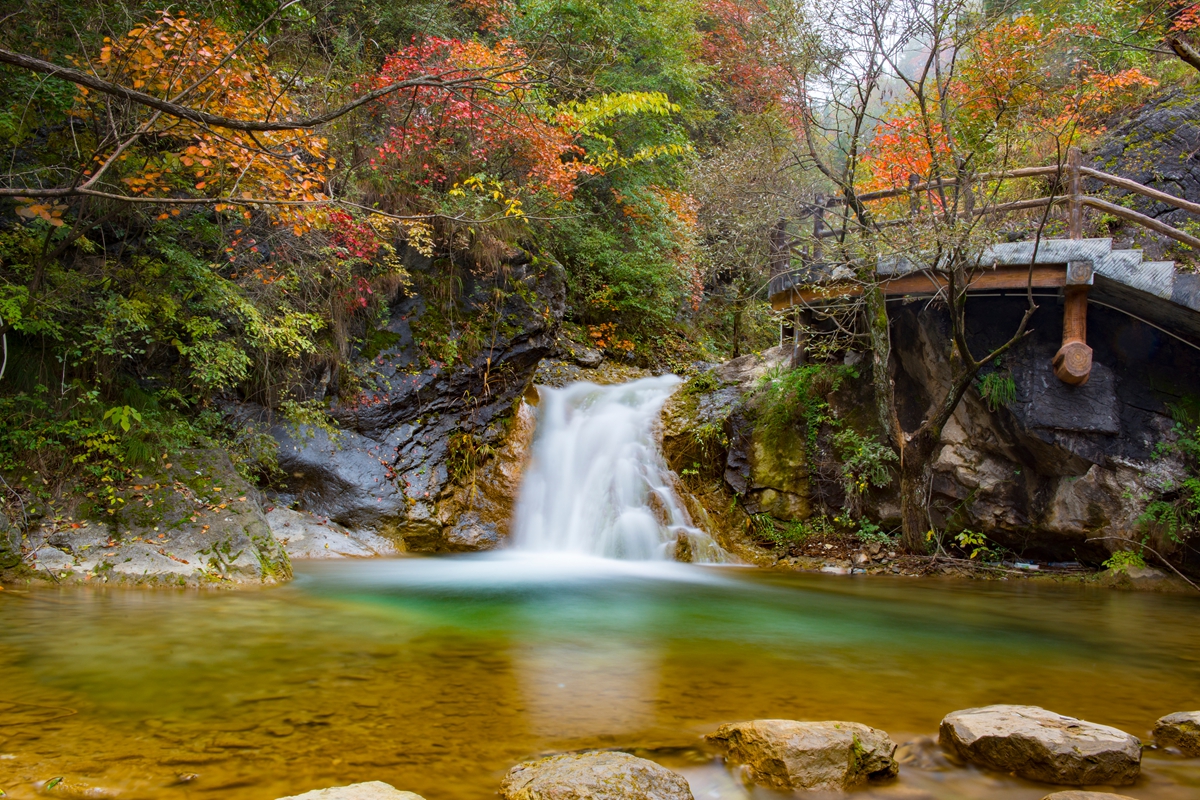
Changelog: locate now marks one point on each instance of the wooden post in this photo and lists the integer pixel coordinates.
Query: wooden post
(1074, 193)
(914, 199)
(801, 319)
(1073, 361)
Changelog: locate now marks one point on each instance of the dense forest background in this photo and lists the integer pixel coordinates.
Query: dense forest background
(157, 258)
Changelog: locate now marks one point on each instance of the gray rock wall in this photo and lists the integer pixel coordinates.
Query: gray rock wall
(417, 434)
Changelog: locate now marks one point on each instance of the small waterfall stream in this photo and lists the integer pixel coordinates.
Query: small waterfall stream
(597, 484)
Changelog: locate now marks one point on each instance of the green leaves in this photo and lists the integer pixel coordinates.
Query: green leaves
(123, 416)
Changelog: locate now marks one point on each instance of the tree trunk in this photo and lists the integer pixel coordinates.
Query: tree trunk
(915, 469)
(737, 330)
(881, 353)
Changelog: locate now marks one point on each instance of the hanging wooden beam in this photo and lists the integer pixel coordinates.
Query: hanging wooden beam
(1073, 361)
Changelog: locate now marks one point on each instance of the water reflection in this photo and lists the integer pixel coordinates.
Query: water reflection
(437, 674)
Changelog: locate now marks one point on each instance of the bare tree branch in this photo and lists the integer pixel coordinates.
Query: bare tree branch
(478, 80)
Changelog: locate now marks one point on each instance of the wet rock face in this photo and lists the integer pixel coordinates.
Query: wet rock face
(593, 776)
(826, 756)
(197, 522)
(405, 448)
(1057, 472)
(371, 790)
(1180, 730)
(1043, 746)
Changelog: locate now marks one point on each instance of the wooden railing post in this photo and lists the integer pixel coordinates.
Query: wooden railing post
(1074, 193)
(914, 199)
(1073, 361)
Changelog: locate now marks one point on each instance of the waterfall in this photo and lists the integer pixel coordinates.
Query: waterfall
(597, 484)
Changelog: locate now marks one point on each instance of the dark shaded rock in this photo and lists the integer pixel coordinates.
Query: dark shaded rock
(828, 756)
(1180, 730)
(391, 467)
(593, 776)
(1043, 746)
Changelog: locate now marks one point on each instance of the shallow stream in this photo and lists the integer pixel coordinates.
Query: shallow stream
(438, 674)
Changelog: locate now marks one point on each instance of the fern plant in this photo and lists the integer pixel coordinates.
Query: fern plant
(997, 388)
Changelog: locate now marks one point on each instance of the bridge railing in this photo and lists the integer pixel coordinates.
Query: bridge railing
(1070, 175)
(1072, 363)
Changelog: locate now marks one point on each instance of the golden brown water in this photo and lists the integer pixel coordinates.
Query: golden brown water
(436, 675)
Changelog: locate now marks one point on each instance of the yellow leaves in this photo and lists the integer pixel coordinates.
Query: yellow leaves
(48, 211)
(420, 237)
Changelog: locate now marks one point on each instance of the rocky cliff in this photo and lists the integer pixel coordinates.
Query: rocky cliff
(1056, 472)
(429, 454)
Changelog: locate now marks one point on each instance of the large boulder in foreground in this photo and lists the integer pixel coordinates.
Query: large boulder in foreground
(371, 790)
(1180, 730)
(785, 754)
(593, 776)
(1042, 746)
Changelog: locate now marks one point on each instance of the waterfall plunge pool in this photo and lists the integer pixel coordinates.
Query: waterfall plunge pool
(438, 674)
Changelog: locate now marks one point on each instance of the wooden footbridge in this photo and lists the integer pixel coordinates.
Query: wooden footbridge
(1084, 270)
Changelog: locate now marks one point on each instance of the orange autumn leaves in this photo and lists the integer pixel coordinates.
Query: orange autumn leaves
(1019, 90)
(197, 63)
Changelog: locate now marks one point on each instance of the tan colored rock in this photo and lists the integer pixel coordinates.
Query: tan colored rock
(1041, 745)
(1180, 730)
(593, 776)
(786, 754)
(478, 513)
(371, 790)
(1076, 794)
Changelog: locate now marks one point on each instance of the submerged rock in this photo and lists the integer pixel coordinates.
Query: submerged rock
(1076, 794)
(371, 790)
(785, 754)
(1180, 730)
(1041, 745)
(593, 776)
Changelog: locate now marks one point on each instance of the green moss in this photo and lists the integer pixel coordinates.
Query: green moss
(376, 341)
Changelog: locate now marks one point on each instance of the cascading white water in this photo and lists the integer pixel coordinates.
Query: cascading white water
(597, 484)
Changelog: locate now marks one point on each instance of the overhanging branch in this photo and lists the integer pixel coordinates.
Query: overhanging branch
(435, 80)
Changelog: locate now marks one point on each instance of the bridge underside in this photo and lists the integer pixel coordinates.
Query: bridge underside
(1085, 270)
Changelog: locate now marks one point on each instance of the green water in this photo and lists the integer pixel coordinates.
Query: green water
(437, 675)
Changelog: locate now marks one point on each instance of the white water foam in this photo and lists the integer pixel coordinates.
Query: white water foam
(597, 484)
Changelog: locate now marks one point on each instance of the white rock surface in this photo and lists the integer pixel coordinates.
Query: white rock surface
(305, 536)
(371, 790)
